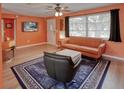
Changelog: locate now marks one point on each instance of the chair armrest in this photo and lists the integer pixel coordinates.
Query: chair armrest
(101, 48)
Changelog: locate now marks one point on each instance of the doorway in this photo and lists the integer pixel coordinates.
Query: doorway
(8, 31)
(51, 31)
(8, 38)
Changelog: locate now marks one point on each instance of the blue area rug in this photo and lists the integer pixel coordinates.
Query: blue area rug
(89, 75)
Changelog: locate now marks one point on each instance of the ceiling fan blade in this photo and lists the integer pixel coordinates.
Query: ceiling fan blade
(66, 10)
(49, 13)
(49, 9)
(37, 5)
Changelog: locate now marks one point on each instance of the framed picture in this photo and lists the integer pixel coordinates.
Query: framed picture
(9, 25)
(29, 26)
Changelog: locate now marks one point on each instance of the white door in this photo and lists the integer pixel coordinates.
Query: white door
(51, 31)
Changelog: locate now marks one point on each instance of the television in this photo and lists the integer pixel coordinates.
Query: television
(30, 26)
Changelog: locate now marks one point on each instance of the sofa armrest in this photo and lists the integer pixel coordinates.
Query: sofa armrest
(64, 41)
(101, 48)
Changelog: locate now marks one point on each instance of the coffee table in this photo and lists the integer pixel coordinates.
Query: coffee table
(75, 55)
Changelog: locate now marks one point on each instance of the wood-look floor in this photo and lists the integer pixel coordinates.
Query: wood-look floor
(114, 77)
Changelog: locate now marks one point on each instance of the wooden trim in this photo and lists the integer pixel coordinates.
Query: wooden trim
(31, 45)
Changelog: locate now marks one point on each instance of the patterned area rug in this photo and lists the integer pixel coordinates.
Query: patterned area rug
(89, 75)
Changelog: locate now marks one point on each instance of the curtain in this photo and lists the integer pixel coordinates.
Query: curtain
(115, 26)
(66, 26)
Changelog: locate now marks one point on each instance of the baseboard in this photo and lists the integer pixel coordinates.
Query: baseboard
(31, 45)
(52, 44)
(110, 57)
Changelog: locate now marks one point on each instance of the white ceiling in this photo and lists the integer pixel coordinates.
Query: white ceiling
(40, 9)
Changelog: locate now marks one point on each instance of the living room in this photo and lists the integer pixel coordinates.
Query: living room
(56, 33)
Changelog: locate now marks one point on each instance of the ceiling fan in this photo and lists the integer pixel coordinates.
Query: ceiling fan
(56, 8)
(59, 9)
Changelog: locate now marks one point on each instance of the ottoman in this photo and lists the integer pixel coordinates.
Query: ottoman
(75, 55)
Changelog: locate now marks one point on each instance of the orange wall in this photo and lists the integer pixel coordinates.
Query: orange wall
(0, 52)
(112, 48)
(26, 38)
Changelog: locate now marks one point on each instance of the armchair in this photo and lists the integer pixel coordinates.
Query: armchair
(59, 67)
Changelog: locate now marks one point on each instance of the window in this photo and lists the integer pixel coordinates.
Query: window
(94, 25)
(77, 26)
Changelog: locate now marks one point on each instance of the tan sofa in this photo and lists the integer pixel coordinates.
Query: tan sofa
(91, 47)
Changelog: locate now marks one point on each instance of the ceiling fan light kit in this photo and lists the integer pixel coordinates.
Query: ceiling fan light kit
(58, 13)
(58, 10)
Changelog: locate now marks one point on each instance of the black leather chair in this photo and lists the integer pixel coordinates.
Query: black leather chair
(59, 67)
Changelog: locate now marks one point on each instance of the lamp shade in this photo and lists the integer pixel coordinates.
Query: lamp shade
(11, 43)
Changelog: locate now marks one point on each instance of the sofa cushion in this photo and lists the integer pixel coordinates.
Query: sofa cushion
(76, 40)
(81, 48)
(93, 42)
(69, 46)
(85, 41)
(87, 49)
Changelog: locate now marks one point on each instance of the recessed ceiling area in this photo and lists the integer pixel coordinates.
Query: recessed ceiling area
(40, 9)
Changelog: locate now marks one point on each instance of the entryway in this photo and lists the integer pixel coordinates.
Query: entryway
(8, 37)
(51, 31)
